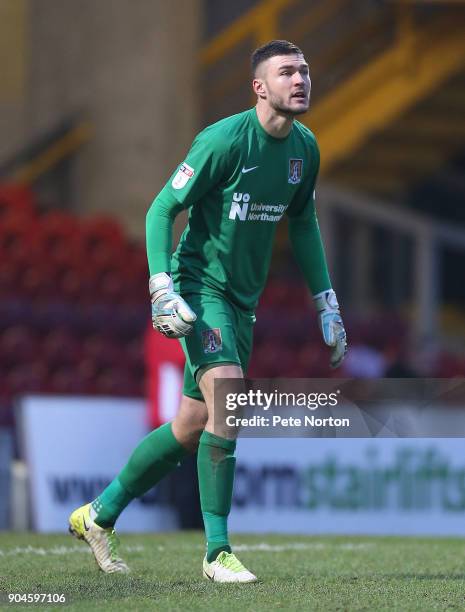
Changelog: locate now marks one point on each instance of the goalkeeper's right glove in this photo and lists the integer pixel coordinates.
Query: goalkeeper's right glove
(171, 315)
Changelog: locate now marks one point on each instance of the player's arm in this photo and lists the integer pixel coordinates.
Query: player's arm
(200, 171)
(305, 238)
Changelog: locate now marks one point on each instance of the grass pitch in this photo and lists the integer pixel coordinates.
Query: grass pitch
(296, 573)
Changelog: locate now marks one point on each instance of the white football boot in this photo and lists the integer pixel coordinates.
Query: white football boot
(103, 542)
(227, 568)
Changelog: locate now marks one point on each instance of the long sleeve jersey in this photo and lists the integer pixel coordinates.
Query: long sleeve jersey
(237, 182)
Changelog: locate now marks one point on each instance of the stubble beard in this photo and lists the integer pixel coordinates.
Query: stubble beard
(284, 109)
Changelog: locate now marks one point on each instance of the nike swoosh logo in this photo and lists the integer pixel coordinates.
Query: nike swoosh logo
(85, 524)
(245, 170)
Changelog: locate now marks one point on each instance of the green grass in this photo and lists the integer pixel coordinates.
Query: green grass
(296, 573)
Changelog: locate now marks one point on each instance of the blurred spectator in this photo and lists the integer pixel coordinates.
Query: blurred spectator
(364, 361)
(398, 364)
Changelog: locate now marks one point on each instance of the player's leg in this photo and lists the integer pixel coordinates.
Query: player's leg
(216, 464)
(211, 352)
(157, 455)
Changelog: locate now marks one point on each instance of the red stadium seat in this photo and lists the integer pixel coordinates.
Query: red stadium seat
(35, 282)
(17, 345)
(118, 381)
(16, 199)
(135, 275)
(66, 380)
(267, 360)
(102, 229)
(17, 237)
(60, 347)
(69, 283)
(313, 358)
(27, 378)
(58, 231)
(101, 349)
(9, 274)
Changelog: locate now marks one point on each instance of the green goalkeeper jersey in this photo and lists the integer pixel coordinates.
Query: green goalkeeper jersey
(238, 181)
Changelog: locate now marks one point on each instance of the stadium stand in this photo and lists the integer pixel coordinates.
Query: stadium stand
(74, 310)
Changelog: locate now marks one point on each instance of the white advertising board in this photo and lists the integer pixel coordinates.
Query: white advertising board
(350, 486)
(73, 447)
(384, 486)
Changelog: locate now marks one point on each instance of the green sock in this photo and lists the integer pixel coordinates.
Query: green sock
(216, 462)
(110, 503)
(157, 455)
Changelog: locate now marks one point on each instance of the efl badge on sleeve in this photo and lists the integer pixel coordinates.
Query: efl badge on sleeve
(295, 171)
(184, 173)
(211, 340)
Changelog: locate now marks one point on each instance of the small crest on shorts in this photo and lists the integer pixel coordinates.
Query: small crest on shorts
(211, 340)
(185, 172)
(295, 170)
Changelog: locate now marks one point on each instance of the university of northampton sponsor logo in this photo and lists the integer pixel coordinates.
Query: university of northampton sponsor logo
(239, 206)
(211, 340)
(295, 171)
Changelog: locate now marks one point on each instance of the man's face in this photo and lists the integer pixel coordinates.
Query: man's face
(284, 81)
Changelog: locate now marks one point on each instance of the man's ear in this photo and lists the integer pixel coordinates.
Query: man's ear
(259, 88)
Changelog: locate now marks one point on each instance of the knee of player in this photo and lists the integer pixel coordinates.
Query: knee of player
(197, 426)
(192, 438)
(189, 429)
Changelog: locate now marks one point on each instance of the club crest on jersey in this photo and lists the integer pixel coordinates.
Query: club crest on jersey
(211, 340)
(184, 173)
(295, 171)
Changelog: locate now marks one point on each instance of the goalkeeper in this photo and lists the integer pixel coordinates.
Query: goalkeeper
(239, 178)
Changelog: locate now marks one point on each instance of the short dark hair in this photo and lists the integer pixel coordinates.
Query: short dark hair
(272, 48)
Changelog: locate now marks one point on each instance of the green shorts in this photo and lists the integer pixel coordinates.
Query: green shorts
(222, 334)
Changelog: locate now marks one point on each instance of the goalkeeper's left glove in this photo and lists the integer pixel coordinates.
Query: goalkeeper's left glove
(331, 325)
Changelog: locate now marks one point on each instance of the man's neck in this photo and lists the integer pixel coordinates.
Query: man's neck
(275, 124)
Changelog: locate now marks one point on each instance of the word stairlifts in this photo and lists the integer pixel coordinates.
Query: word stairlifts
(411, 479)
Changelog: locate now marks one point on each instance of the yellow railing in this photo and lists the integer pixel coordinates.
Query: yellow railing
(262, 23)
(63, 147)
(391, 83)
(415, 60)
(259, 22)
